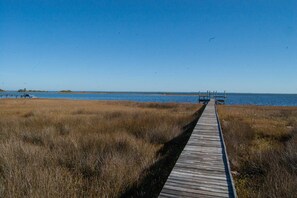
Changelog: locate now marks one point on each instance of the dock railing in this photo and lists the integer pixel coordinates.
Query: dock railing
(219, 97)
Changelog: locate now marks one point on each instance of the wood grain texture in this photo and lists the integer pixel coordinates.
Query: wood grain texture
(202, 169)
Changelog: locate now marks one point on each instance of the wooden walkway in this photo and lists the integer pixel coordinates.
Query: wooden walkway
(202, 169)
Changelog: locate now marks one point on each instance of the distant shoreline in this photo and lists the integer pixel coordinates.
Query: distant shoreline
(107, 92)
(119, 92)
(180, 97)
(144, 92)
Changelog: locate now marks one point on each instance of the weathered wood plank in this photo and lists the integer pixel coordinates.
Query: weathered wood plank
(195, 191)
(205, 189)
(202, 182)
(201, 169)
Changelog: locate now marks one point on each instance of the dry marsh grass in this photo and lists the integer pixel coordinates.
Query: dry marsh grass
(63, 148)
(262, 147)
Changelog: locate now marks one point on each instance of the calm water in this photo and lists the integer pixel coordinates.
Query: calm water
(240, 99)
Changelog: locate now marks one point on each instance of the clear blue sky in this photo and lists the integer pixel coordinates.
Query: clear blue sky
(149, 45)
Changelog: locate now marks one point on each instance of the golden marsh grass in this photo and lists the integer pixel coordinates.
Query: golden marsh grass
(65, 148)
(262, 147)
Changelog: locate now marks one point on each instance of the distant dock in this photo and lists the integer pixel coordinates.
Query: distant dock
(219, 98)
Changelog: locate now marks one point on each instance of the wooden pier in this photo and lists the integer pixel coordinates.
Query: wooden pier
(202, 169)
(220, 98)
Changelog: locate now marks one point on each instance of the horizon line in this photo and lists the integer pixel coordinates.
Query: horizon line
(185, 92)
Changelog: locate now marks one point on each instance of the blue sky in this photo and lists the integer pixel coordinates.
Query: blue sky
(149, 45)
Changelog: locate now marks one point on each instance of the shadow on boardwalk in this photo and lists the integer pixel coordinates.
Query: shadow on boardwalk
(157, 174)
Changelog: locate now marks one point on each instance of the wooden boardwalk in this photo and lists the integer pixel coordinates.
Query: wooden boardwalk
(202, 169)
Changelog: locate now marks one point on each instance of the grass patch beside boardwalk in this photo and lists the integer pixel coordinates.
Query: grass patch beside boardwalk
(262, 148)
(64, 148)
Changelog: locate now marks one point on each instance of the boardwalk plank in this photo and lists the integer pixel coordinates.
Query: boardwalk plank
(202, 188)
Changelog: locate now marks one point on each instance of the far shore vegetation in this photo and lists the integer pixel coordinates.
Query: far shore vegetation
(262, 148)
(25, 90)
(64, 148)
(65, 91)
(1, 90)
